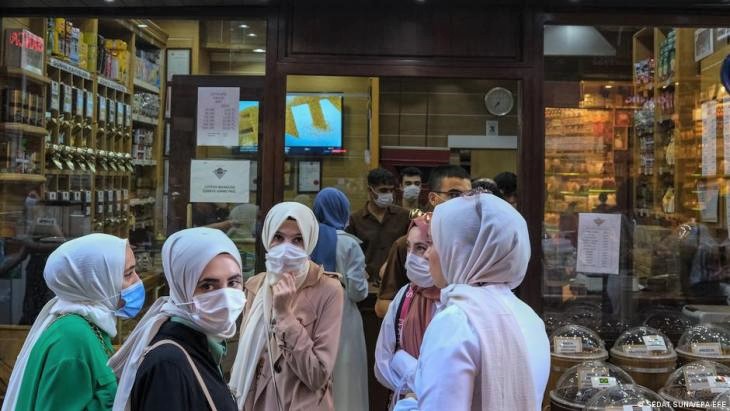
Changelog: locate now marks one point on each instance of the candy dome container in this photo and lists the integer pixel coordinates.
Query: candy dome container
(571, 345)
(646, 354)
(627, 397)
(670, 322)
(581, 382)
(696, 385)
(704, 342)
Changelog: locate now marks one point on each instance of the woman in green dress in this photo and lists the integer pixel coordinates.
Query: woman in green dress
(63, 363)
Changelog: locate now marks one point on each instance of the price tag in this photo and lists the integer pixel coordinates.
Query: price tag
(67, 99)
(603, 382)
(586, 375)
(99, 196)
(112, 112)
(654, 343)
(118, 195)
(711, 349)
(79, 102)
(65, 195)
(125, 194)
(120, 113)
(696, 377)
(635, 349)
(55, 96)
(568, 345)
(100, 209)
(45, 221)
(89, 104)
(77, 196)
(110, 195)
(87, 197)
(102, 109)
(52, 196)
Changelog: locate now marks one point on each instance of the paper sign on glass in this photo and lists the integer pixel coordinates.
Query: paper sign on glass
(599, 238)
(709, 138)
(217, 120)
(219, 181)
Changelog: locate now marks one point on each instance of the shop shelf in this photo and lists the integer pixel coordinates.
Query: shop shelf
(22, 73)
(22, 178)
(150, 163)
(139, 118)
(141, 201)
(20, 128)
(69, 68)
(146, 86)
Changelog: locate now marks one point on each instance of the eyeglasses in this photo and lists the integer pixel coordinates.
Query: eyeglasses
(451, 194)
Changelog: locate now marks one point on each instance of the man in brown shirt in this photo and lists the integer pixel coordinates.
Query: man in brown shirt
(379, 223)
(446, 182)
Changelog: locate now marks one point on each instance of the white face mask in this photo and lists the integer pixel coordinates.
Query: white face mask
(411, 192)
(216, 312)
(286, 258)
(383, 200)
(418, 271)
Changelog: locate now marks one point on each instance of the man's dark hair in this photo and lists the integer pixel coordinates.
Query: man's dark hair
(507, 182)
(439, 173)
(381, 177)
(487, 184)
(411, 172)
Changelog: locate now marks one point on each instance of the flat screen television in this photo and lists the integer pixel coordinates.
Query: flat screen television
(313, 123)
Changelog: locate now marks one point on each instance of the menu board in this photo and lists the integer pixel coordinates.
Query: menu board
(217, 119)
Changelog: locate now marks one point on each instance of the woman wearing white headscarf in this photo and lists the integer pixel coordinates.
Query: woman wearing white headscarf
(171, 359)
(292, 325)
(62, 365)
(485, 349)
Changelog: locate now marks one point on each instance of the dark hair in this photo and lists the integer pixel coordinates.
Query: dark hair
(487, 184)
(507, 182)
(380, 177)
(439, 173)
(411, 172)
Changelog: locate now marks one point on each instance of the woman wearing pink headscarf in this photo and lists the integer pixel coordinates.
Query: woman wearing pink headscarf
(485, 349)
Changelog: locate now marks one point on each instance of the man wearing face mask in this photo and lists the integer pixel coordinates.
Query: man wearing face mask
(172, 358)
(380, 222)
(411, 179)
(446, 182)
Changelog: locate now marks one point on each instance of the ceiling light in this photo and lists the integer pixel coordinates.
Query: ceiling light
(259, 51)
(108, 1)
(608, 86)
(141, 25)
(252, 34)
(243, 26)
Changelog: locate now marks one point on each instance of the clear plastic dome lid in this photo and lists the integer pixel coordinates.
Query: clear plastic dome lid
(697, 381)
(705, 341)
(581, 382)
(643, 342)
(575, 340)
(623, 396)
(721, 402)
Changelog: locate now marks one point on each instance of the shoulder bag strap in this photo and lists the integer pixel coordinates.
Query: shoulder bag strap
(400, 315)
(192, 365)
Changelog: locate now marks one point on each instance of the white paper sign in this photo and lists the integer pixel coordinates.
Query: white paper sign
(654, 343)
(603, 382)
(726, 135)
(709, 138)
(218, 116)
(599, 239)
(707, 197)
(568, 345)
(587, 374)
(219, 181)
(710, 349)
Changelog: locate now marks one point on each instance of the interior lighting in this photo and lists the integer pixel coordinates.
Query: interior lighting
(252, 34)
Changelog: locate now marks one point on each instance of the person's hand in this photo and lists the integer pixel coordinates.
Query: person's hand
(284, 291)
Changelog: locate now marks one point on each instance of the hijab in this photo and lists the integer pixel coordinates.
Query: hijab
(86, 275)
(332, 209)
(483, 241)
(255, 323)
(185, 255)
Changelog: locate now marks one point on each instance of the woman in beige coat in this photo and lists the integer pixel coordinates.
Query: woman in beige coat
(292, 324)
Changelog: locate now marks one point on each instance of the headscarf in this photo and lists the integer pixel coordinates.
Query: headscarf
(422, 308)
(185, 255)
(482, 240)
(86, 275)
(332, 209)
(255, 323)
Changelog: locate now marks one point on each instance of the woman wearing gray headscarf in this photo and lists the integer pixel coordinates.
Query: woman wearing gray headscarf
(485, 349)
(172, 358)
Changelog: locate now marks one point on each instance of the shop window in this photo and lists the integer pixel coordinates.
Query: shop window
(637, 172)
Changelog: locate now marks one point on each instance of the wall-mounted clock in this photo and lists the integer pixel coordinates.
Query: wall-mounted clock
(499, 101)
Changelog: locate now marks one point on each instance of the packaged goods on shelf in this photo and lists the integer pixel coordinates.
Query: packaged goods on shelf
(147, 66)
(146, 104)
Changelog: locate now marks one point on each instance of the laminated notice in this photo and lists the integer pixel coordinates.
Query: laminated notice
(712, 349)
(586, 376)
(654, 343)
(568, 345)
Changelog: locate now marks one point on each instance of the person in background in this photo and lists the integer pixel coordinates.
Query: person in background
(63, 362)
(487, 184)
(485, 349)
(179, 343)
(211, 215)
(411, 179)
(401, 332)
(291, 331)
(340, 252)
(379, 223)
(507, 183)
(446, 182)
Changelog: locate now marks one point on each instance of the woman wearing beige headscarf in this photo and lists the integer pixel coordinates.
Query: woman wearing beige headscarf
(485, 349)
(292, 325)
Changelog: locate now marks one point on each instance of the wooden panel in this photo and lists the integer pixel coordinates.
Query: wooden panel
(384, 29)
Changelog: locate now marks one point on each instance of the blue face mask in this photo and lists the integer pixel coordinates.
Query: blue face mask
(133, 297)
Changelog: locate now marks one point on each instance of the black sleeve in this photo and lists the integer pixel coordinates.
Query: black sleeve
(163, 384)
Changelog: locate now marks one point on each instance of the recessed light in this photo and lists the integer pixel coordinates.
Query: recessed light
(142, 26)
(259, 51)
(243, 26)
(108, 1)
(252, 34)
(608, 86)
